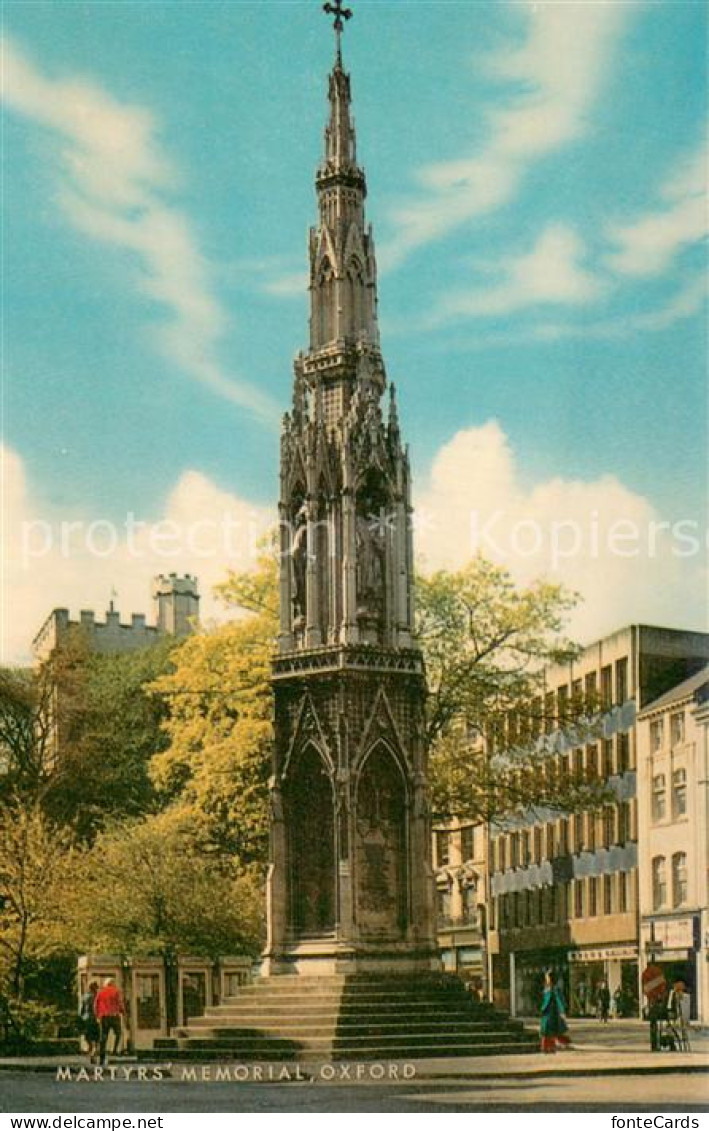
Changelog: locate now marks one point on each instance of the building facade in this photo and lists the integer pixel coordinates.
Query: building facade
(673, 803)
(562, 891)
(460, 855)
(350, 881)
(176, 602)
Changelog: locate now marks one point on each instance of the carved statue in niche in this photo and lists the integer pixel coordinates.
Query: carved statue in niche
(380, 847)
(370, 564)
(299, 560)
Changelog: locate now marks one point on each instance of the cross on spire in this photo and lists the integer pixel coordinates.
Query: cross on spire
(340, 14)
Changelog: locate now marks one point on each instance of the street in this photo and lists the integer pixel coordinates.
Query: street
(41, 1093)
(610, 1069)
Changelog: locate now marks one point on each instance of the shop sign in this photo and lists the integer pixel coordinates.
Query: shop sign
(670, 934)
(603, 954)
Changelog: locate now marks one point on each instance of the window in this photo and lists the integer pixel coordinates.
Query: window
(659, 882)
(502, 853)
(679, 793)
(659, 797)
(504, 911)
(470, 903)
(591, 762)
(679, 879)
(443, 854)
(549, 715)
(552, 904)
(526, 848)
(562, 703)
(607, 895)
(578, 833)
(608, 768)
(494, 912)
(592, 692)
(607, 687)
(591, 832)
(593, 896)
(656, 735)
(677, 728)
(538, 845)
(623, 753)
(578, 763)
(467, 842)
(621, 681)
(564, 837)
(564, 902)
(608, 826)
(622, 891)
(514, 850)
(578, 899)
(577, 692)
(444, 903)
(623, 822)
(550, 840)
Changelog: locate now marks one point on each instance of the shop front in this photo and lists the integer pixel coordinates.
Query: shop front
(589, 967)
(527, 969)
(673, 943)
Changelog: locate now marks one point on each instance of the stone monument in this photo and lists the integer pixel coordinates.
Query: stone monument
(350, 883)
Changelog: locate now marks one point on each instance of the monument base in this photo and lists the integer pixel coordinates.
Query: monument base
(352, 1017)
(326, 958)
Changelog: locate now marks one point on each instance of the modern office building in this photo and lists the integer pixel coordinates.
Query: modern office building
(562, 890)
(673, 804)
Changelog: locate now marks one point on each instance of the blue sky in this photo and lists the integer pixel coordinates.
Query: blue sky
(535, 183)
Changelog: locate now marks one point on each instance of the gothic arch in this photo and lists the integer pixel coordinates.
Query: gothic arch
(309, 802)
(325, 284)
(381, 850)
(355, 304)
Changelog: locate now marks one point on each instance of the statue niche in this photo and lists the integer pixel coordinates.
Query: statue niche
(371, 525)
(309, 802)
(380, 851)
(298, 557)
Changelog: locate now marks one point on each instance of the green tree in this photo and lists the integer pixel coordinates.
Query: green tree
(486, 643)
(149, 886)
(219, 728)
(102, 768)
(35, 857)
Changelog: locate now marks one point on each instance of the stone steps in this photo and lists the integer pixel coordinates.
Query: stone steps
(361, 1018)
(268, 1053)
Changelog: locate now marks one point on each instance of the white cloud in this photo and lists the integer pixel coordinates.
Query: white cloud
(114, 182)
(551, 273)
(553, 79)
(292, 285)
(52, 560)
(648, 245)
(597, 537)
(688, 301)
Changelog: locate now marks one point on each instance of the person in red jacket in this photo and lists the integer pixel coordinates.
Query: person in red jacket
(110, 1010)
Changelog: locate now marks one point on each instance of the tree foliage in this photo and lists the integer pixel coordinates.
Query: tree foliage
(34, 858)
(219, 727)
(148, 886)
(486, 643)
(103, 765)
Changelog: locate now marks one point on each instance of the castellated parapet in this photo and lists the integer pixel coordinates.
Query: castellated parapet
(176, 599)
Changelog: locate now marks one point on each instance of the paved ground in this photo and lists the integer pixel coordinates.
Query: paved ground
(611, 1069)
(677, 1093)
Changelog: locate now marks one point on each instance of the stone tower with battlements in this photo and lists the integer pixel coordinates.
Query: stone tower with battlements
(350, 881)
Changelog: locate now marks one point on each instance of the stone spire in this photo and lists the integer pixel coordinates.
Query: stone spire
(350, 882)
(343, 272)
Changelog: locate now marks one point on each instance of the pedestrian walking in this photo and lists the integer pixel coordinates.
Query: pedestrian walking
(90, 1028)
(552, 1026)
(603, 1002)
(110, 1011)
